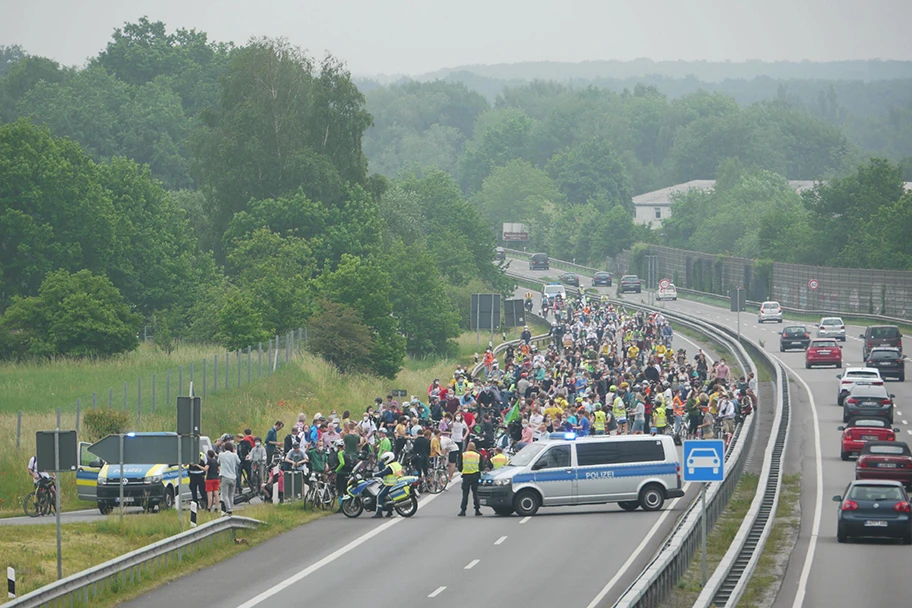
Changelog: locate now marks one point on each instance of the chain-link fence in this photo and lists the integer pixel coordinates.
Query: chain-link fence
(219, 372)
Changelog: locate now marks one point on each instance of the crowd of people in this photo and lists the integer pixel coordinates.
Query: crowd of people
(601, 371)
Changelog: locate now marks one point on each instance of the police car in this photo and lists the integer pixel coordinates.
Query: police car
(144, 485)
(636, 471)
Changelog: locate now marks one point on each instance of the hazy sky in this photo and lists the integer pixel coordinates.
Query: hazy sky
(412, 36)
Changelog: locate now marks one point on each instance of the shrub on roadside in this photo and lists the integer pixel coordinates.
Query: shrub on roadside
(103, 422)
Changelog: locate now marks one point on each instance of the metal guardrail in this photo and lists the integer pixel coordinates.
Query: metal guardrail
(798, 311)
(84, 587)
(727, 584)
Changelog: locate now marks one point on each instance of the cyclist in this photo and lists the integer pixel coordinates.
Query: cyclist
(37, 475)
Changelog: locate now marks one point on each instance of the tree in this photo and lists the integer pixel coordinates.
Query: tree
(278, 270)
(340, 336)
(841, 207)
(281, 124)
(592, 170)
(365, 286)
(74, 315)
(240, 323)
(54, 212)
(8, 56)
(506, 137)
(419, 301)
(516, 192)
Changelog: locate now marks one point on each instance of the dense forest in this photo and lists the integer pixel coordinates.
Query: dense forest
(226, 192)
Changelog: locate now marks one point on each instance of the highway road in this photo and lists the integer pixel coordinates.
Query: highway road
(820, 572)
(563, 556)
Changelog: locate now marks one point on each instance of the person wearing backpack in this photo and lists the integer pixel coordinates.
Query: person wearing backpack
(436, 409)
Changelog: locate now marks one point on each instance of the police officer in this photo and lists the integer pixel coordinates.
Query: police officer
(499, 459)
(197, 474)
(390, 473)
(471, 461)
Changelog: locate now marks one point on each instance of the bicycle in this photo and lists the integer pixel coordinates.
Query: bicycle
(42, 501)
(322, 491)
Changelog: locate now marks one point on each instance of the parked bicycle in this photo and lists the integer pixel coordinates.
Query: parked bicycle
(42, 501)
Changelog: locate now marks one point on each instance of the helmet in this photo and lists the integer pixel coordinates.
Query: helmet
(338, 443)
(387, 457)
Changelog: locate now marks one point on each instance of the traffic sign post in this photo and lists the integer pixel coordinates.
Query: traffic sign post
(813, 284)
(704, 462)
(664, 284)
(56, 452)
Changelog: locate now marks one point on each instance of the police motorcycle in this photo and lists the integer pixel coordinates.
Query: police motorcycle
(362, 492)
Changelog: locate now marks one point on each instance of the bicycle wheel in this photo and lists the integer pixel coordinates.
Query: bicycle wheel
(46, 502)
(441, 479)
(31, 506)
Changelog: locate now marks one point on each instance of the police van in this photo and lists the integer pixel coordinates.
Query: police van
(144, 485)
(635, 471)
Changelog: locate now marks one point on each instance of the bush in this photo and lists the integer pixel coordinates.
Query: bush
(103, 422)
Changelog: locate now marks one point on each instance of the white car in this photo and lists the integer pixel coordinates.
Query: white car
(831, 327)
(668, 293)
(854, 376)
(554, 289)
(703, 458)
(770, 311)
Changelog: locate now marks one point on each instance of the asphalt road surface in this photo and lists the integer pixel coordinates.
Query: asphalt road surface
(562, 556)
(821, 573)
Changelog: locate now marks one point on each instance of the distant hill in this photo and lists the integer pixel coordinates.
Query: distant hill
(706, 71)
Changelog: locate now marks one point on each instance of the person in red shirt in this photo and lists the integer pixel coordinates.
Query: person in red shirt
(469, 418)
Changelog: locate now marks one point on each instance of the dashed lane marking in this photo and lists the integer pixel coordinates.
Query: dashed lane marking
(525, 519)
(500, 540)
(436, 592)
(472, 564)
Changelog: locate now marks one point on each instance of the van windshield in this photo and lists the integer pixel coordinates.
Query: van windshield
(527, 454)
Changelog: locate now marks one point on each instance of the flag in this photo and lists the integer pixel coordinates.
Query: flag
(513, 414)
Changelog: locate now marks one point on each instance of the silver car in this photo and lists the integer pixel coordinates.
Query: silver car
(831, 327)
(770, 311)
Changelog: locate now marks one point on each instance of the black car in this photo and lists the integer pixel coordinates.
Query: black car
(794, 336)
(889, 361)
(874, 508)
(569, 278)
(630, 282)
(869, 400)
(539, 261)
(601, 278)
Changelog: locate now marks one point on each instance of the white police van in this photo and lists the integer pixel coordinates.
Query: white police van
(632, 470)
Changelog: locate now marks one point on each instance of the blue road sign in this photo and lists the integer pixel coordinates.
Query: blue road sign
(704, 460)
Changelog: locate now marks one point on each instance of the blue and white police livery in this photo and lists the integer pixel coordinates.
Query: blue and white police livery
(636, 471)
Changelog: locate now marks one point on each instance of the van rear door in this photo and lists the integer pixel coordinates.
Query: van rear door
(86, 474)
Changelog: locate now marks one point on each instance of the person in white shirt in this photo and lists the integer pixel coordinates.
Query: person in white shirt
(34, 472)
(229, 464)
(727, 412)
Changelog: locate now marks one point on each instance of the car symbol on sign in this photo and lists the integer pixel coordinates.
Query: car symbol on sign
(702, 458)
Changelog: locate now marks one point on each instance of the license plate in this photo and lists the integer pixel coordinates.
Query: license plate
(483, 501)
(875, 523)
(798, 342)
(886, 465)
(869, 437)
(823, 352)
(127, 500)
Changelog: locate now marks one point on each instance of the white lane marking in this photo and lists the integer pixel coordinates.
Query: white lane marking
(500, 540)
(910, 432)
(652, 532)
(436, 592)
(904, 422)
(528, 517)
(331, 558)
(818, 505)
(472, 564)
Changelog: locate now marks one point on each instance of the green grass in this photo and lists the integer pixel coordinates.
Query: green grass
(767, 577)
(717, 542)
(38, 386)
(32, 550)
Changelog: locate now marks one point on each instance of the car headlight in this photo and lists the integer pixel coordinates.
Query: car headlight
(502, 482)
(102, 480)
(153, 479)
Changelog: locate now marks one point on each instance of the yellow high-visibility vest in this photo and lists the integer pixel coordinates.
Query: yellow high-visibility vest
(392, 478)
(498, 460)
(470, 462)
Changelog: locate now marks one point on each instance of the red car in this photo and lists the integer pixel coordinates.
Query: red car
(885, 460)
(859, 431)
(823, 351)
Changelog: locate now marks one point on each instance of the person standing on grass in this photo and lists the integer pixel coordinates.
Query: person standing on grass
(197, 473)
(229, 465)
(272, 439)
(212, 479)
